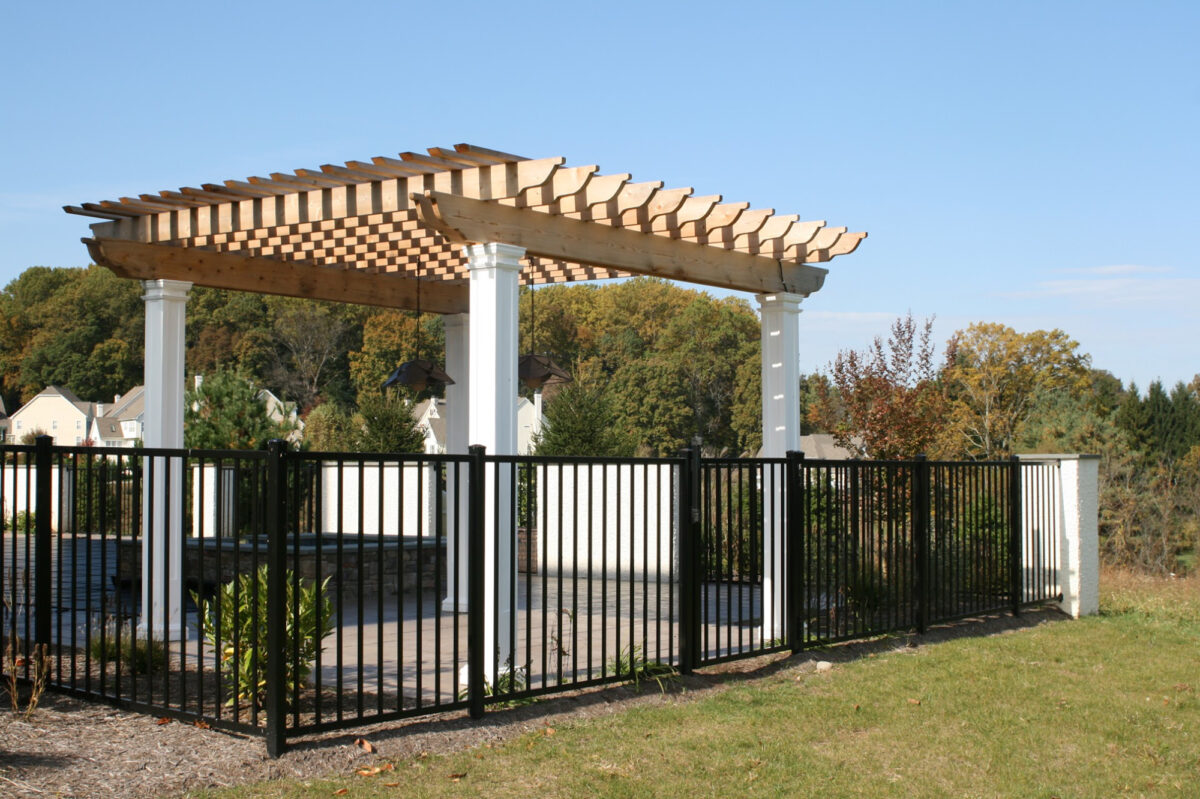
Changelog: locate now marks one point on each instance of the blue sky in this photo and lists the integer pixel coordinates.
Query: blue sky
(1032, 163)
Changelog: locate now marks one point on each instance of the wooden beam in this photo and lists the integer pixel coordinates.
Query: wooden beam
(561, 238)
(222, 270)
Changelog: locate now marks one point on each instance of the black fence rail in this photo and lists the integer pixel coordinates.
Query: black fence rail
(280, 593)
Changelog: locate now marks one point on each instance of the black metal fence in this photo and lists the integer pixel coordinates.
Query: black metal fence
(286, 593)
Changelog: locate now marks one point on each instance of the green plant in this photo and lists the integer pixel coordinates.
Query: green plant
(632, 665)
(510, 680)
(22, 522)
(235, 624)
(135, 655)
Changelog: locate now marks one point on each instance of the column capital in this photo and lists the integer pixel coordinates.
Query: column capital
(166, 289)
(494, 255)
(782, 301)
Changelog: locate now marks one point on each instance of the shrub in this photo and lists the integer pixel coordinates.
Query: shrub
(235, 623)
(135, 655)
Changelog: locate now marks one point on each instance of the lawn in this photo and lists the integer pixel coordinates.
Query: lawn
(1106, 706)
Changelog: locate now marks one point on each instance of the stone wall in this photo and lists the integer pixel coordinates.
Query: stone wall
(393, 565)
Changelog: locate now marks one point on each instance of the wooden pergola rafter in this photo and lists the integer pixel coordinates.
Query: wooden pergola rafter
(365, 231)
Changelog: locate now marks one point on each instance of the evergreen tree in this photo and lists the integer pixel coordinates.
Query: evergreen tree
(580, 420)
(385, 423)
(226, 412)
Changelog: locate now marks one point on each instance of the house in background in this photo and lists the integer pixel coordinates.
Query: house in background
(120, 424)
(822, 447)
(431, 418)
(279, 412)
(56, 412)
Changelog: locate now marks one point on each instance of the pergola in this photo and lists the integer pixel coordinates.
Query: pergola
(464, 226)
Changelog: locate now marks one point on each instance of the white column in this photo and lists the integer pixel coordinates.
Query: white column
(457, 397)
(162, 493)
(1079, 547)
(492, 422)
(781, 433)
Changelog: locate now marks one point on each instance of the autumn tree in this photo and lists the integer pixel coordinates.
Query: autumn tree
(885, 402)
(311, 340)
(993, 379)
(389, 338)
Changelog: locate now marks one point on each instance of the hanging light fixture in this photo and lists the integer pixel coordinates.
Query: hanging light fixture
(535, 370)
(419, 373)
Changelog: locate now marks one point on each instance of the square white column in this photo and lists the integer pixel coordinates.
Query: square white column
(495, 271)
(457, 508)
(162, 492)
(1079, 544)
(781, 434)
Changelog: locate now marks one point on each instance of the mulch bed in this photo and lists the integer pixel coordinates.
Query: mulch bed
(71, 748)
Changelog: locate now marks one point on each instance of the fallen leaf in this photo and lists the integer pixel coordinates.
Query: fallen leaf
(391, 785)
(914, 701)
(457, 777)
(163, 720)
(365, 745)
(549, 731)
(856, 707)
(373, 770)
(201, 723)
(341, 791)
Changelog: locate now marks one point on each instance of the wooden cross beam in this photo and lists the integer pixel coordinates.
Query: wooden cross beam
(221, 270)
(465, 220)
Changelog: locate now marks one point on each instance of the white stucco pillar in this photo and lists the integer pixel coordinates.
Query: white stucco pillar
(162, 492)
(781, 434)
(1079, 544)
(495, 271)
(458, 364)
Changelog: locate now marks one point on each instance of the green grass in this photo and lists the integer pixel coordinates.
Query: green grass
(1106, 706)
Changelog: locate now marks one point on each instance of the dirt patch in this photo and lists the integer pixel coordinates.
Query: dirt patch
(75, 749)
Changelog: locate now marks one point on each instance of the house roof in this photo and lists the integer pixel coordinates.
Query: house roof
(86, 408)
(822, 447)
(437, 422)
(375, 232)
(130, 406)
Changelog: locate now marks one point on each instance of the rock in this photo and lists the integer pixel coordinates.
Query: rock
(824, 665)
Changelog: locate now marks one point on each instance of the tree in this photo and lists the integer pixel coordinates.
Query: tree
(385, 423)
(329, 428)
(995, 375)
(580, 420)
(310, 340)
(78, 328)
(389, 338)
(226, 412)
(885, 401)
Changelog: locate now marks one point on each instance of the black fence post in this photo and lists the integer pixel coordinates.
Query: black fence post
(43, 501)
(794, 540)
(689, 561)
(277, 645)
(920, 500)
(476, 607)
(1015, 533)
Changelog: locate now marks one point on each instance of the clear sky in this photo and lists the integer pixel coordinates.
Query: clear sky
(1032, 163)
